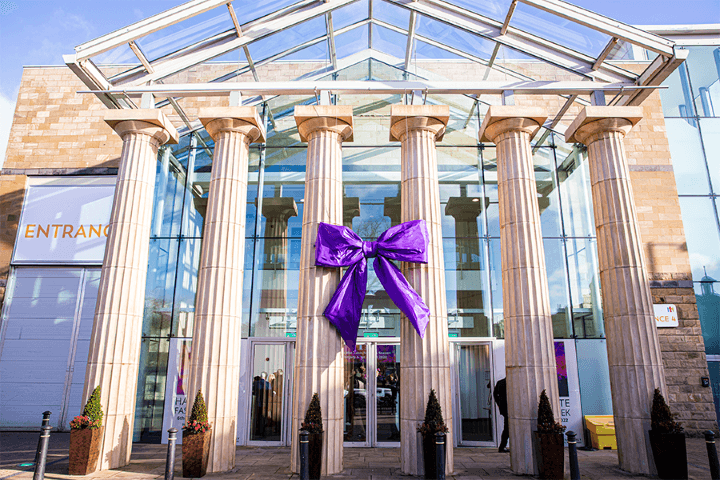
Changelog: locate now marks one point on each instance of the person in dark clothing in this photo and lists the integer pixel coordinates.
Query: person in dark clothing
(500, 396)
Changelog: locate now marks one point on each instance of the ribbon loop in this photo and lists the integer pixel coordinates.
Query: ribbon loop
(338, 246)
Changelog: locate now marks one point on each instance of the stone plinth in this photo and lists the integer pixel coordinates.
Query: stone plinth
(425, 362)
(319, 364)
(215, 357)
(114, 355)
(636, 367)
(529, 350)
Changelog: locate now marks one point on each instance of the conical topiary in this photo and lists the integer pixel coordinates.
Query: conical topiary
(661, 418)
(93, 408)
(546, 420)
(313, 416)
(434, 422)
(199, 409)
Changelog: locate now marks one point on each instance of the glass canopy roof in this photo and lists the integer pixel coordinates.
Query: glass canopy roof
(497, 34)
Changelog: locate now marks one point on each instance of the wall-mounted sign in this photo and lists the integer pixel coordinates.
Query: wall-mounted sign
(64, 223)
(666, 315)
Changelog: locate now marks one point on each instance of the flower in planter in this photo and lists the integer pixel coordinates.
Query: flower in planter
(198, 420)
(546, 420)
(92, 413)
(662, 419)
(433, 422)
(313, 416)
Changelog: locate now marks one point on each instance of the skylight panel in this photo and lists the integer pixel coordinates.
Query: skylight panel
(282, 40)
(342, 17)
(349, 43)
(389, 13)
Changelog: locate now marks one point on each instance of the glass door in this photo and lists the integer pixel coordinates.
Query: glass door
(270, 393)
(356, 393)
(473, 395)
(387, 394)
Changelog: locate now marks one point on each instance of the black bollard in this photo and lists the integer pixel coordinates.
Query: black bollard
(170, 462)
(45, 423)
(712, 455)
(42, 453)
(440, 455)
(304, 455)
(572, 453)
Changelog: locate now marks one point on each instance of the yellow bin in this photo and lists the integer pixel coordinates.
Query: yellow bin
(602, 431)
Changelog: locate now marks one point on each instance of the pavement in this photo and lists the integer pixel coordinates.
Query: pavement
(260, 463)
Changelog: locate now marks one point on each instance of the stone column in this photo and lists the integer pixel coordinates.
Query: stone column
(215, 351)
(319, 362)
(114, 354)
(636, 367)
(529, 351)
(424, 363)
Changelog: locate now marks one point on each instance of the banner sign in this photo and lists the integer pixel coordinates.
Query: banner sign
(64, 224)
(666, 315)
(569, 388)
(176, 400)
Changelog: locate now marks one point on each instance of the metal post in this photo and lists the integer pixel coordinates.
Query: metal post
(304, 454)
(170, 462)
(440, 455)
(572, 452)
(42, 453)
(712, 455)
(45, 423)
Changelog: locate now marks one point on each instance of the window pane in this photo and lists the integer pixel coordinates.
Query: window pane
(558, 285)
(704, 65)
(701, 233)
(547, 195)
(160, 287)
(186, 287)
(710, 128)
(677, 99)
(585, 288)
(707, 293)
(687, 157)
(150, 400)
(575, 190)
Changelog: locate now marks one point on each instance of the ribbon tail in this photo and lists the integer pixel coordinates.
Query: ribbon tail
(400, 292)
(345, 307)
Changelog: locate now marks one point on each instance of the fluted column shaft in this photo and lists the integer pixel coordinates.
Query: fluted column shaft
(634, 355)
(424, 362)
(215, 359)
(114, 355)
(529, 350)
(319, 364)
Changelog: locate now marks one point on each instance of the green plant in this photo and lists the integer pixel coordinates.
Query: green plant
(198, 420)
(546, 420)
(433, 422)
(313, 416)
(662, 419)
(92, 413)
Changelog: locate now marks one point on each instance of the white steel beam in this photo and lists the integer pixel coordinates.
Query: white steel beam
(233, 17)
(606, 51)
(527, 43)
(330, 31)
(506, 23)
(140, 56)
(605, 25)
(653, 76)
(410, 40)
(558, 116)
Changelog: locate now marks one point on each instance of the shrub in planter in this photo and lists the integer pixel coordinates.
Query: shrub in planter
(432, 424)
(86, 432)
(196, 440)
(550, 445)
(314, 426)
(667, 440)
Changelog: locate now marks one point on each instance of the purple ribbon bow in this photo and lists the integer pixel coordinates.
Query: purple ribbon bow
(341, 247)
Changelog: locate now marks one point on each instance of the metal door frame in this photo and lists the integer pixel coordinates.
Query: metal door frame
(285, 429)
(456, 344)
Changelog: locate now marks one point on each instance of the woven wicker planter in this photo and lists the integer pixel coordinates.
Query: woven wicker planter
(195, 453)
(84, 450)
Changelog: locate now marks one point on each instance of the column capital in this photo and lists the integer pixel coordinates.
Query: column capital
(149, 121)
(433, 118)
(598, 120)
(243, 120)
(501, 119)
(334, 118)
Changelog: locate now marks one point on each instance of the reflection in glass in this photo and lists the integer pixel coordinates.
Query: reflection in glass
(710, 128)
(708, 302)
(585, 288)
(186, 287)
(703, 64)
(160, 287)
(558, 286)
(266, 407)
(701, 234)
(476, 407)
(547, 195)
(355, 388)
(388, 393)
(687, 157)
(150, 400)
(575, 190)
(496, 289)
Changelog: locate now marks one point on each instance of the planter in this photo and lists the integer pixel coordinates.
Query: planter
(195, 453)
(84, 450)
(315, 447)
(429, 459)
(670, 454)
(550, 453)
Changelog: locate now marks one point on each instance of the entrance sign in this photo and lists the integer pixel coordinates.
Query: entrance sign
(568, 387)
(176, 403)
(64, 224)
(666, 315)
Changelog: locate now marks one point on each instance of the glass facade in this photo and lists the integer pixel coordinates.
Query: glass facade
(371, 204)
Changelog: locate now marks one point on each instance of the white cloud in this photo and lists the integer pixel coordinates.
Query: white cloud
(7, 109)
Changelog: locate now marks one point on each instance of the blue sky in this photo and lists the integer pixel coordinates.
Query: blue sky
(39, 32)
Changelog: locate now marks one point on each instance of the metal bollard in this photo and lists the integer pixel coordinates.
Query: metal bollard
(572, 453)
(712, 455)
(440, 438)
(42, 453)
(45, 423)
(304, 454)
(170, 462)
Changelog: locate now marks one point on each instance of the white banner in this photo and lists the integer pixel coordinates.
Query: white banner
(176, 401)
(64, 224)
(569, 388)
